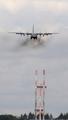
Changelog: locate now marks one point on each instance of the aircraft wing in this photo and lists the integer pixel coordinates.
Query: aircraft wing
(20, 33)
(46, 33)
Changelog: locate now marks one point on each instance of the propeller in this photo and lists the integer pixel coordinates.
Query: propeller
(27, 33)
(43, 34)
(20, 33)
(40, 33)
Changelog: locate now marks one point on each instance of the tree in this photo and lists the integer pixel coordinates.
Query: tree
(7, 117)
(21, 117)
(66, 115)
(51, 117)
(61, 116)
(46, 116)
(31, 116)
(25, 117)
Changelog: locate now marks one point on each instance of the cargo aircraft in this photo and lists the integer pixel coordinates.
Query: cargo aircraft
(33, 35)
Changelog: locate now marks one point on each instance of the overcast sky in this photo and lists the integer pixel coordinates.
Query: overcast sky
(20, 57)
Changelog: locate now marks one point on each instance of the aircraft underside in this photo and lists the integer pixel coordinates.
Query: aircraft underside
(33, 37)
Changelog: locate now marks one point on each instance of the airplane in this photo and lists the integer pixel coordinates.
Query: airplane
(33, 35)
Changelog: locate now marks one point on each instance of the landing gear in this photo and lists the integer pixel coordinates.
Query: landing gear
(33, 37)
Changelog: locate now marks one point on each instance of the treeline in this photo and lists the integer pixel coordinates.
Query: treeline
(63, 116)
(32, 116)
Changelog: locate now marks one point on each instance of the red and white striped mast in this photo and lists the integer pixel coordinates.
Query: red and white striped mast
(41, 88)
(36, 95)
(40, 105)
(43, 93)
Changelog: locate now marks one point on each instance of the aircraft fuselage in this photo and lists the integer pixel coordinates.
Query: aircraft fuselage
(33, 36)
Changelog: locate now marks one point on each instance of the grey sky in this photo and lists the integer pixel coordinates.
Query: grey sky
(20, 59)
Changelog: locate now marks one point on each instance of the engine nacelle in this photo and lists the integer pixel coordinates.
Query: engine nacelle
(30, 37)
(24, 34)
(20, 33)
(43, 34)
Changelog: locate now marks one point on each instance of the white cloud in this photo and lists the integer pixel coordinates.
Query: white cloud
(56, 7)
(12, 5)
(50, 5)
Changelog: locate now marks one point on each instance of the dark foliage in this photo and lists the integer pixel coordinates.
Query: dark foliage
(63, 116)
(32, 116)
(47, 116)
(7, 117)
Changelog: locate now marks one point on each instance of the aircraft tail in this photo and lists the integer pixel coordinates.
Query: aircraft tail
(33, 29)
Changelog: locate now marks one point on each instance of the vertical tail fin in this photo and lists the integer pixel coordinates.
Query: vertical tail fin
(33, 29)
